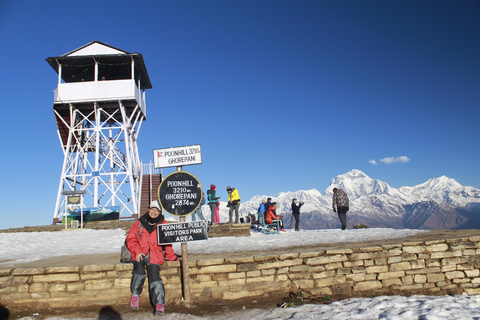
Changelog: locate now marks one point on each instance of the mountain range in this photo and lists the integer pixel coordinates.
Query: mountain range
(440, 203)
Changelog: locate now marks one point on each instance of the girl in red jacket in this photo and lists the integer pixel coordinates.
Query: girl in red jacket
(143, 246)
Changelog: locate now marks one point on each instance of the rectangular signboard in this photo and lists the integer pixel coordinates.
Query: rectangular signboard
(182, 232)
(96, 214)
(177, 156)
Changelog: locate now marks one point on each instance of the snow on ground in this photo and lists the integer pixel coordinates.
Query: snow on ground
(24, 247)
(30, 246)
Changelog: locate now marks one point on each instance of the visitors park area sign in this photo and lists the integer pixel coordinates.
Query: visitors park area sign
(178, 156)
(180, 193)
(182, 232)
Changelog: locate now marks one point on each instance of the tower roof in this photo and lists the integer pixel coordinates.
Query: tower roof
(97, 51)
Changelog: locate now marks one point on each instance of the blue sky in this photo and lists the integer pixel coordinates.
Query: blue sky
(282, 95)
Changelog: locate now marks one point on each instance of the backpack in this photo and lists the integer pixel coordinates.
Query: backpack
(125, 255)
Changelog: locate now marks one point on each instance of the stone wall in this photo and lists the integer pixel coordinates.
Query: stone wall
(420, 267)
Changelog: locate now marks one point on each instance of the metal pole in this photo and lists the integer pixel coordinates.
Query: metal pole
(185, 271)
(81, 211)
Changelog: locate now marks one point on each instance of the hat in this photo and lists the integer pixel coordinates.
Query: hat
(294, 199)
(212, 187)
(229, 188)
(155, 204)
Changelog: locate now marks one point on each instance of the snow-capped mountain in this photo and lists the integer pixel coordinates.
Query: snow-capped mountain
(440, 203)
(443, 190)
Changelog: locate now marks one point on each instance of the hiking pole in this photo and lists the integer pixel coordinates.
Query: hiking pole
(291, 218)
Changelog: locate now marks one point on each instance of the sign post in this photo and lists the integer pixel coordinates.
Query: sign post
(177, 156)
(71, 200)
(182, 232)
(180, 194)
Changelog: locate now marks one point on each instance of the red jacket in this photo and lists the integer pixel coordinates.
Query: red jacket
(148, 242)
(271, 215)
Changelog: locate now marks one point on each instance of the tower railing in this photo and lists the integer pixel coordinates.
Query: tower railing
(148, 168)
(106, 90)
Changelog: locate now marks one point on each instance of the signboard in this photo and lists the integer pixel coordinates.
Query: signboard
(178, 156)
(180, 193)
(96, 214)
(73, 200)
(182, 232)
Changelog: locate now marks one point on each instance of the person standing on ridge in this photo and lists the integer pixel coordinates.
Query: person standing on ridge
(268, 204)
(261, 212)
(296, 213)
(217, 213)
(142, 242)
(198, 211)
(212, 202)
(233, 203)
(340, 201)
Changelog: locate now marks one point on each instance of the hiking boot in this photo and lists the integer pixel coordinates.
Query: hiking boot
(283, 230)
(159, 309)
(134, 302)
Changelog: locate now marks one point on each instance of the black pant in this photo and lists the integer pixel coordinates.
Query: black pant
(342, 215)
(280, 222)
(297, 220)
(155, 283)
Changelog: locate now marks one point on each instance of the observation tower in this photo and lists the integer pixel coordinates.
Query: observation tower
(99, 107)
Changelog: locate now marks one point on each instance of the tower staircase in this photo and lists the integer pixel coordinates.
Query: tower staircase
(151, 179)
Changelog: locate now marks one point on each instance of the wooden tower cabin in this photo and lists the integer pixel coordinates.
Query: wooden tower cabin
(99, 106)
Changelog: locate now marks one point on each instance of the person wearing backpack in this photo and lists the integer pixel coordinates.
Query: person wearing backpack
(233, 204)
(212, 202)
(198, 212)
(340, 201)
(146, 253)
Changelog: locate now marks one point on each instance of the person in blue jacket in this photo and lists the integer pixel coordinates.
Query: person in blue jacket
(261, 212)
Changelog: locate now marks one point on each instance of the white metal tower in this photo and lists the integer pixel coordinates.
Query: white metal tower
(99, 107)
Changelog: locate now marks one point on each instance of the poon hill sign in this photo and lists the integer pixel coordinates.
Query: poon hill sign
(178, 156)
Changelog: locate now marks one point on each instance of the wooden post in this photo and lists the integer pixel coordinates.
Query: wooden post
(185, 271)
(186, 274)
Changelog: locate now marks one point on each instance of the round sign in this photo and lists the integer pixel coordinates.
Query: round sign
(180, 193)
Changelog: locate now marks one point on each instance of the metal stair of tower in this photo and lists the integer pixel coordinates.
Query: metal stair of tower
(151, 180)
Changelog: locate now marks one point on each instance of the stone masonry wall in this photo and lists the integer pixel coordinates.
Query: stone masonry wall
(421, 267)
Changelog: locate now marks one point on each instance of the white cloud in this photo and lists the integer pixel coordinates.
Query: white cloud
(388, 160)
(401, 159)
(373, 162)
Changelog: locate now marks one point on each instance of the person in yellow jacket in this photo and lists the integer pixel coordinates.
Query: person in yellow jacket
(233, 203)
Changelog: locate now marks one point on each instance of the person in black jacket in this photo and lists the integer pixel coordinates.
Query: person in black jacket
(296, 212)
(267, 205)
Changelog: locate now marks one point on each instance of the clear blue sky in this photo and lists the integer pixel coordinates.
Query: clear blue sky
(282, 95)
